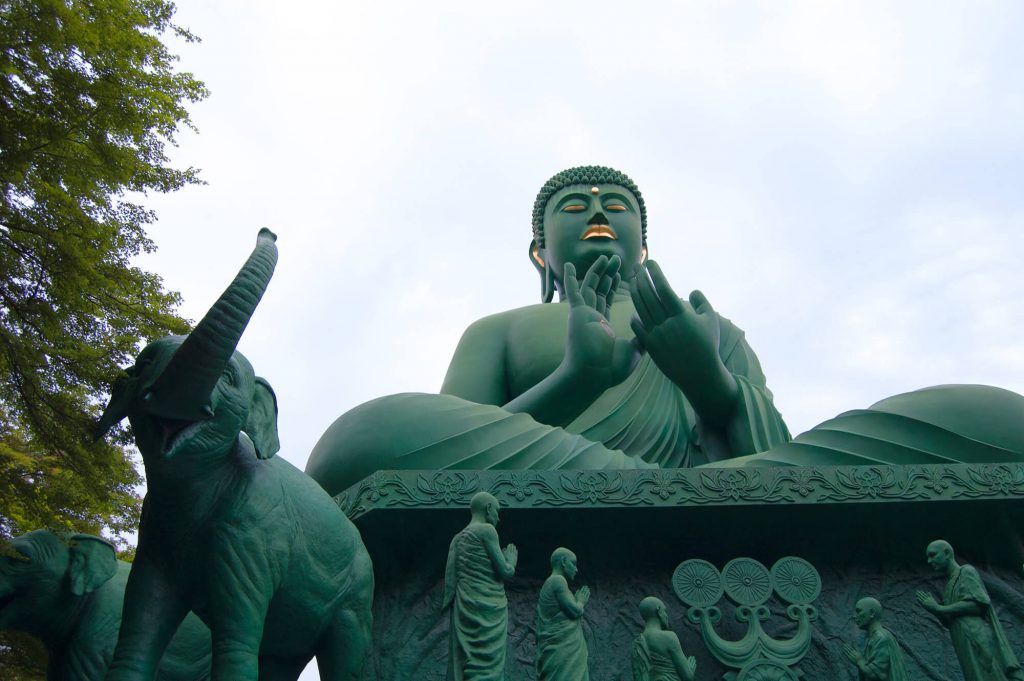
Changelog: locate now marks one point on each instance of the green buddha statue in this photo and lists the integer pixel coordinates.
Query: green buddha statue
(621, 373)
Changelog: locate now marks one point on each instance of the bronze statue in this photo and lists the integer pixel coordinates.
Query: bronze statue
(657, 655)
(561, 647)
(474, 589)
(622, 373)
(967, 612)
(229, 530)
(69, 592)
(882, 659)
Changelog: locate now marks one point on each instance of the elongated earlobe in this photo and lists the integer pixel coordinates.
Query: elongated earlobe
(547, 280)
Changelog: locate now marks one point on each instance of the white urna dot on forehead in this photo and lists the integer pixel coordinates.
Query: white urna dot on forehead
(594, 190)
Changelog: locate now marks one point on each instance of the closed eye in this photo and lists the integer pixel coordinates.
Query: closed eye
(574, 208)
(615, 207)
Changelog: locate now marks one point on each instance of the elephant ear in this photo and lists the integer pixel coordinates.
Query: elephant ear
(92, 563)
(261, 426)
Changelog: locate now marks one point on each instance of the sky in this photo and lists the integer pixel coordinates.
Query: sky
(841, 180)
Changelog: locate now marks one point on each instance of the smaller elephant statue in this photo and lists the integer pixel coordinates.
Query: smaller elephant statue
(68, 592)
(241, 537)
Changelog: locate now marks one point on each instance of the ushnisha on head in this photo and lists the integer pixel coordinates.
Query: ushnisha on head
(484, 508)
(581, 214)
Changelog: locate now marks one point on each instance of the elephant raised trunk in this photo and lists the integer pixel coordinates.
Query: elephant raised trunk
(184, 389)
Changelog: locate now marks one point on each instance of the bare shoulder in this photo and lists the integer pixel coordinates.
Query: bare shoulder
(518, 315)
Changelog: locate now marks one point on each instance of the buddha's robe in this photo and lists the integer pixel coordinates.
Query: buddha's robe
(561, 647)
(883, 658)
(941, 424)
(979, 642)
(649, 665)
(479, 611)
(643, 422)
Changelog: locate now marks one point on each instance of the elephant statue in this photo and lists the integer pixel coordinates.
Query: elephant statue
(68, 592)
(242, 538)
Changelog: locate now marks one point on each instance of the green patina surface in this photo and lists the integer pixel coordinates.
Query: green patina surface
(686, 487)
(229, 530)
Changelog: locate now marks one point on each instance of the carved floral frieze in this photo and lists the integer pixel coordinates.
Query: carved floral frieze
(685, 486)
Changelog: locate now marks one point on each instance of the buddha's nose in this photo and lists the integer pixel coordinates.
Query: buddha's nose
(599, 218)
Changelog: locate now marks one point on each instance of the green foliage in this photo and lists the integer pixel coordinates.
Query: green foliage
(22, 657)
(89, 99)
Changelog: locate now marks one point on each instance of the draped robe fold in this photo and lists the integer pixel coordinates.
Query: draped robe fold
(883, 658)
(649, 665)
(643, 422)
(479, 611)
(979, 641)
(561, 647)
(647, 422)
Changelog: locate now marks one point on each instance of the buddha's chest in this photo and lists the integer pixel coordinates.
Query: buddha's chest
(536, 343)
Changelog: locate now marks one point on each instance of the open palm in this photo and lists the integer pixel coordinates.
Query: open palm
(592, 347)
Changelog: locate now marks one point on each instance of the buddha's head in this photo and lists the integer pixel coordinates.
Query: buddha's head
(581, 214)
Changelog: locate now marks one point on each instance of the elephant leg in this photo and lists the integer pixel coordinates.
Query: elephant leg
(282, 668)
(343, 651)
(152, 612)
(238, 594)
(235, 656)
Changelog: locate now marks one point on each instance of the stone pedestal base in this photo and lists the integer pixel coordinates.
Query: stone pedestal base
(865, 530)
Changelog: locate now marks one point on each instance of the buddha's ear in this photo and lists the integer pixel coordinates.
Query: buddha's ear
(547, 283)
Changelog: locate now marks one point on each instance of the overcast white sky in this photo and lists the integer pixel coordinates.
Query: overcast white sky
(842, 180)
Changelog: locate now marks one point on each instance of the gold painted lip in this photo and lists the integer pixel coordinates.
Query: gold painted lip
(599, 232)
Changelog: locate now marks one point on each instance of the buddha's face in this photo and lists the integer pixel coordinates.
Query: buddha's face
(581, 224)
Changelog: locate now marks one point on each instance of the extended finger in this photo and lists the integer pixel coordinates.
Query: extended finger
(611, 292)
(605, 285)
(593, 279)
(595, 272)
(645, 289)
(700, 302)
(571, 285)
(669, 300)
(642, 313)
(639, 332)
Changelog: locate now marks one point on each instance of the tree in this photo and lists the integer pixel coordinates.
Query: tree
(89, 99)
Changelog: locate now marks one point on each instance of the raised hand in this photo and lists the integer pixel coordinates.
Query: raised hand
(583, 595)
(927, 601)
(593, 350)
(851, 653)
(511, 554)
(682, 339)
